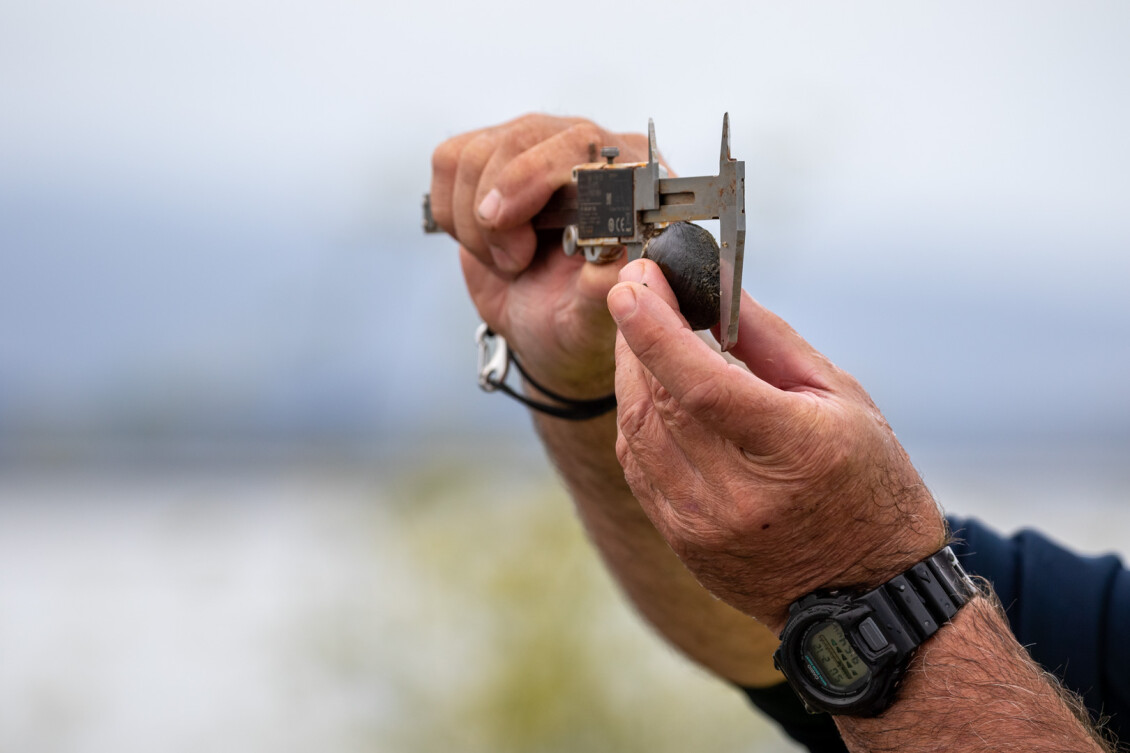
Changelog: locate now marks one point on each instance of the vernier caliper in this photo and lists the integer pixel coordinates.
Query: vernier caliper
(610, 206)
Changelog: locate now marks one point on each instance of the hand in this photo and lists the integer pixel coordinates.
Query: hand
(769, 482)
(486, 186)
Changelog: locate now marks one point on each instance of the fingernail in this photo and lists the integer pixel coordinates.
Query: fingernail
(632, 272)
(488, 209)
(622, 302)
(502, 259)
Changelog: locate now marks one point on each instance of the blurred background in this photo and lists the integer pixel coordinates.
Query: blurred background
(250, 497)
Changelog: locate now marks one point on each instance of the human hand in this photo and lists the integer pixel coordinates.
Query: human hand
(769, 482)
(486, 187)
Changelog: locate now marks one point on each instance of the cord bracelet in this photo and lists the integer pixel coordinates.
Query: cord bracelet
(495, 358)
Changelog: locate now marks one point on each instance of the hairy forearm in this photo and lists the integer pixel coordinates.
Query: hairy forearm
(972, 687)
(709, 631)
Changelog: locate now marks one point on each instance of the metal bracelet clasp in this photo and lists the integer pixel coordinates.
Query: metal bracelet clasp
(494, 358)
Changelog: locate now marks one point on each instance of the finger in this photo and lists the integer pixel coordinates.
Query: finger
(651, 500)
(445, 162)
(593, 281)
(643, 438)
(696, 441)
(647, 273)
(513, 243)
(776, 353)
(665, 440)
(512, 249)
(526, 183)
(474, 157)
(666, 455)
(728, 399)
(634, 408)
(487, 289)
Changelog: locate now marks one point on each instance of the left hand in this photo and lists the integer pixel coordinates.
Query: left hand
(550, 307)
(770, 482)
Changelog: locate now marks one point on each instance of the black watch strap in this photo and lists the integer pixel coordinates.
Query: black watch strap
(846, 652)
(916, 603)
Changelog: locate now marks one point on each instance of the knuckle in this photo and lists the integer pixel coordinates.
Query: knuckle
(708, 397)
(704, 534)
(632, 419)
(530, 129)
(584, 134)
(624, 456)
(532, 120)
(695, 538)
(528, 171)
(640, 484)
(478, 151)
(546, 149)
(668, 408)
(476, 247)
(445, 158)
(647, 348)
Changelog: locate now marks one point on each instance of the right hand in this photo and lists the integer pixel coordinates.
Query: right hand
(771, 481)
(486, 187)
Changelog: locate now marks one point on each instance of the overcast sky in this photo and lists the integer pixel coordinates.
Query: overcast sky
(209, 212)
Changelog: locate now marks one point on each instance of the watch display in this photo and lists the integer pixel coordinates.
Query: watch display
(831, 659)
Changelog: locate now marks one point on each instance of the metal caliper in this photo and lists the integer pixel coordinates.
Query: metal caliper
(610, 206)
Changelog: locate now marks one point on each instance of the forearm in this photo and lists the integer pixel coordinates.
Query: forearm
(710, 632)
(972, 687)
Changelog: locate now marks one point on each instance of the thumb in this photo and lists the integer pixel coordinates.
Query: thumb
(727, 398)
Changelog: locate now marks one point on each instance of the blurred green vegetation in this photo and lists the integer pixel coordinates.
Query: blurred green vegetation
(519, 641)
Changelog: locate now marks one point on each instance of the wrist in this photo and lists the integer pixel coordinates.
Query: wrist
(899, 546)
(973, 687)
(555, 404)
(940, 651)
(495, 359)
(579, 378)
(906, 526)
(551, 384)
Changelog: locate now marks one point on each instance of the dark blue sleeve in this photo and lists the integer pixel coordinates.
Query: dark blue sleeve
(1067, 609)
(817, 732)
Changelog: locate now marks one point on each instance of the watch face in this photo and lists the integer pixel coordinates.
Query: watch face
(831, 660)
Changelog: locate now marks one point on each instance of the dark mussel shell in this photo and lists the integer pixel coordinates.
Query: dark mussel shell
(688, 256)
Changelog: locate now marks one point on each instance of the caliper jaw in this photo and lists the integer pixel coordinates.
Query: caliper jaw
(720, 197)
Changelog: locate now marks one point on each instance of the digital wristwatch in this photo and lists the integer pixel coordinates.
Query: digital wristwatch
(845, 653)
